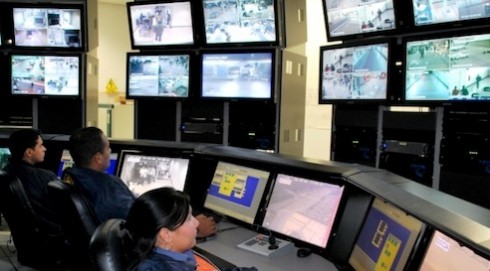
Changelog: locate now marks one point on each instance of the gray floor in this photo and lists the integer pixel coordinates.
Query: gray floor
(8, 257)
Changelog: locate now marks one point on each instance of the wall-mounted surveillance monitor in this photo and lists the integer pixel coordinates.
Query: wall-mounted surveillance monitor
(158, 75)
(387, 239)
(49, 74)
(362, 18)
(165, 23)
(60, 26)
(236, 191)
(241, 22)
(451, 69)
(142, 172)
(450, 12)
(445, 253)
(354, 72)
(303, 209)
(239, 74)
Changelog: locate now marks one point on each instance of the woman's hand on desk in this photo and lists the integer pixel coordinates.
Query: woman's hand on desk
(207, 225)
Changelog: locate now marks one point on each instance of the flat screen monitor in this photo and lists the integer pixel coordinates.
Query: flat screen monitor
(158, 75)
(4, 157)
(142, 172)
(241, 22)
(354, 72)
(428, 12)
(49, 25)
(353, 19)
(303, 209)
(46, 75)
(160, 23)
(451, 69)
(236, 75)
(66, 161)
(386, 240)
(445, 253)
(236, 191)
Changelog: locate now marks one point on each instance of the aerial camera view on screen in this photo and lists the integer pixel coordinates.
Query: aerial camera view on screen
(162, 24)
(235, 21)
(159, 75)
(45, 75)
(355, 73)
(47, 27)
(449, 69)
(441, 11)
(349, 17)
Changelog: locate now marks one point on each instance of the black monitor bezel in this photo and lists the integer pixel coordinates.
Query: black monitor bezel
(192, 73)
(195, 27)
(40, 5)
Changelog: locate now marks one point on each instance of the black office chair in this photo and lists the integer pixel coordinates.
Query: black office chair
(78, 221)
(32, 243)
(108, 246)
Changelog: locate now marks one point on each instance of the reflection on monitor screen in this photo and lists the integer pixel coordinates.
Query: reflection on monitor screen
(357, 17)
(67, 161)
(456, 68)
(239, 21)
(354, 73)
(4, 157)
(236, 191)
(158, 75)
(386, 240)
(237, 75)
(161, 24)
(45, 75)
(445, 253)
(426, 12)
(303, 209)
(48, 27)
(142, 172)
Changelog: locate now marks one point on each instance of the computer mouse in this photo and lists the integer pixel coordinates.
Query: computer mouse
(303, 252)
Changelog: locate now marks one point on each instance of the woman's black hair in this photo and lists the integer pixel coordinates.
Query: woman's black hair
(159, 208)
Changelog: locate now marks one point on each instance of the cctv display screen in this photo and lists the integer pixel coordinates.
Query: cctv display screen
(46, 75)
(357, 72)
(427, 12)
(143, 172)
(167, 23)
(237, 75)
(448, 69)
(386, 240)
(236, 191)
(49, 26)
(67, 161)
(158, 75)
(445, 253)
(4, 157)
(240, 21)
(354, 18)
(303, 209)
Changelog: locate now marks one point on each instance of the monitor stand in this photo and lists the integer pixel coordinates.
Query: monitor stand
(260, 244)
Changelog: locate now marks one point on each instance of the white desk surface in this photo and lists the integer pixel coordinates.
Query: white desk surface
(225, 247)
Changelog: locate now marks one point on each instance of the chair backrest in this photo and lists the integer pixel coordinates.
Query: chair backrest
(77, 219)
(108, 246)
(31, 242)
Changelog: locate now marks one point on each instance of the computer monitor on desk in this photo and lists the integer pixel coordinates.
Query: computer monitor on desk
(66, 161)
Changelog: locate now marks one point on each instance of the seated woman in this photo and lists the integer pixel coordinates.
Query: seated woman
(164, 232)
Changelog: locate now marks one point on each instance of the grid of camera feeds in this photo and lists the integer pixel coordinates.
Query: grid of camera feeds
(358, 72)
(45, 75)
(161, 24)
(347, 17)
(426, 12)
(158, 75)
(455, 68)
(239, 21)
(47, 27)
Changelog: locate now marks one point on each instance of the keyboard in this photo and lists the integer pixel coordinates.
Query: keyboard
(260, 244)
(219, 262)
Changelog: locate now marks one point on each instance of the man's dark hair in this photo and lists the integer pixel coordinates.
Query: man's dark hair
(21, 140)
(84, 144)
